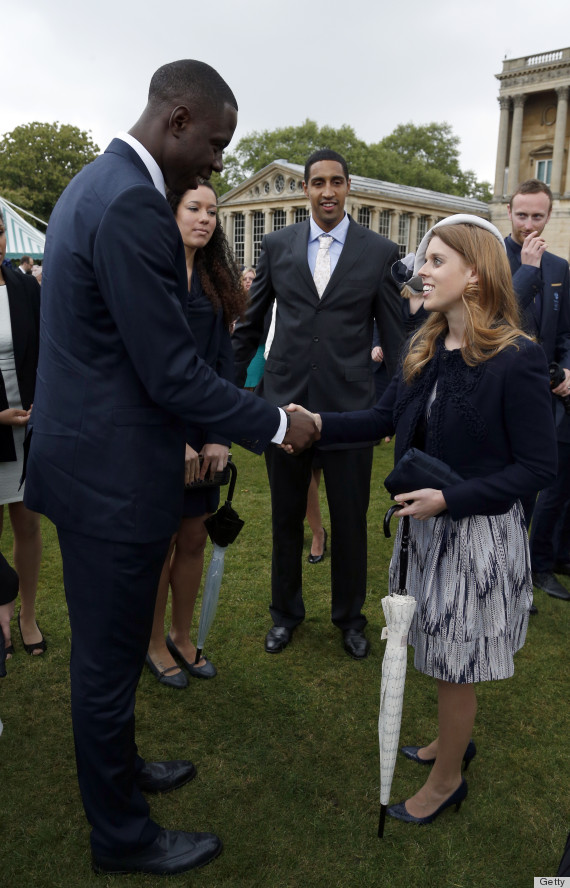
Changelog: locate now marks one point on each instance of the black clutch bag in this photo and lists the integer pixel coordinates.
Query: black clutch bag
(416, 470)
(219, 479)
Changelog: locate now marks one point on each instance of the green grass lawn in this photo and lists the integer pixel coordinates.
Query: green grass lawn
(286, 746)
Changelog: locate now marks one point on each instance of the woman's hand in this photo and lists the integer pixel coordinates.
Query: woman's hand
(15, 417)
(421, 504)
(296, 408)
(215, 458)
(191, 465)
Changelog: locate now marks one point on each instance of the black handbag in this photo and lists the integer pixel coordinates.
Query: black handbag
(218, 480)
(416, 470)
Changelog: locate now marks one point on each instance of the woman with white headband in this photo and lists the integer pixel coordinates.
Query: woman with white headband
(472, 391)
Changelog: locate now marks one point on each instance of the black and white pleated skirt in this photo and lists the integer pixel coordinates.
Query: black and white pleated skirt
(472, 583)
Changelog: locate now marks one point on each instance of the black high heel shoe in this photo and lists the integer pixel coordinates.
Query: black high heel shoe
(39, 646)
(400, 813)
(411, 752)
(316, 559)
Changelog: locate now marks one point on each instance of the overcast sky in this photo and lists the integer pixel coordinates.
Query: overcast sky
(366, 63)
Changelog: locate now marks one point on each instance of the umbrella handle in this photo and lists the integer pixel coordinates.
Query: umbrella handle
(382, 821)
(232, 487)
(388, 516)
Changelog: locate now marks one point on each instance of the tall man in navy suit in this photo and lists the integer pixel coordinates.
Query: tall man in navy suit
(118, 381)
(541, 282)
(320, 358)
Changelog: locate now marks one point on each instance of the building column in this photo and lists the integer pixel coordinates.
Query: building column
(559, 140)
(290, 217)
(504, 104)
(248, 239)
(412, 233)
(268, 221)
(373, 218)
(516, 133)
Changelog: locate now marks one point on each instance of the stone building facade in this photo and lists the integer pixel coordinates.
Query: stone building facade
(534, 138)
(274, 198)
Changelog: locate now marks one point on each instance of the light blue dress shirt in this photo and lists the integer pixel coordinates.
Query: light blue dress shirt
(339, 235)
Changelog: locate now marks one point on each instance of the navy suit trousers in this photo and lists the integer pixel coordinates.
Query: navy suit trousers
(111, 591)
(550, 507)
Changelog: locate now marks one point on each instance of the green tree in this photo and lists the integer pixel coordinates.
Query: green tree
(291, 143)
(428, 157)
(37, 160)
(424, 156)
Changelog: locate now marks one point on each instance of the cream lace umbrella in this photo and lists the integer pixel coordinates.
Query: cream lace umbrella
(398, 610)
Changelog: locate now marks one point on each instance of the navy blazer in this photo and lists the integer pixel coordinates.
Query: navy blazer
(544, 299)
(320, 354)
(118, 375)
(24, 301)
(492, 423)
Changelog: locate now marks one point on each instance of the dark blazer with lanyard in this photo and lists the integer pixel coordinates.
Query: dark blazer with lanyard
(320, 358)
(24, 302)
(118, 380)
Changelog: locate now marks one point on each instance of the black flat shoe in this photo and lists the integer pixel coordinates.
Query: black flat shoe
(277, 639)
(355, 643)
(208, 670)
(165, 677)
(316, 559)
(173, 851)
(164, 776)
(40, 646)
(400, 813)
(411, 752)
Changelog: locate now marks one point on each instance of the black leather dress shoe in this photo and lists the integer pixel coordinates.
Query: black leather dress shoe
(277, 639)
(164, 776)
(173, 851)
(355, 643)
(546, 581)
(533, 610)
(562, 567)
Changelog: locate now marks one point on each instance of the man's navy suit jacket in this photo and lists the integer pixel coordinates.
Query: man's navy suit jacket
(118, 376)
(544, 300)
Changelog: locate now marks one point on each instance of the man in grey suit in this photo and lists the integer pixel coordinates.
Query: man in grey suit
(330, 279)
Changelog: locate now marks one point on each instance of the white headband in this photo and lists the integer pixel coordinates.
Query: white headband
(458, 219)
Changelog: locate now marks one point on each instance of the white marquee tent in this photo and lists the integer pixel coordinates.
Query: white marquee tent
(21, 237)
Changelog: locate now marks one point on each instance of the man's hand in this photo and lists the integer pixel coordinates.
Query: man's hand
(564, 387)
(377, 354)
(15, 417)
(303, 430)
(532, 249)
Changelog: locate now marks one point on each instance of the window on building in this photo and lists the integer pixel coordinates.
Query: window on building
(279, 219)
(258, 232)
(301, 214)
(544, 170)
(403, 234)
(422, 229)
(364, 216)
(384, 223)
(239, 238)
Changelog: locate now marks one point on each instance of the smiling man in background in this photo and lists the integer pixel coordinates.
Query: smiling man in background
(330, 278)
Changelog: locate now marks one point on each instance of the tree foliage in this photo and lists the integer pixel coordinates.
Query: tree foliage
(424, 156)
(37, 160)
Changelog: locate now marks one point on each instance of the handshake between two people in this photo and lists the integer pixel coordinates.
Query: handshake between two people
(304, 429)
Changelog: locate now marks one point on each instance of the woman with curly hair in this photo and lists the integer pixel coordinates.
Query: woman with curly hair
(473, 391)
(215, 298)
